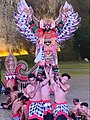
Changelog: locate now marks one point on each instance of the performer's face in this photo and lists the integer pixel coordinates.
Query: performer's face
(56, 76)
(32, 80)
(75, 103)
(64, 79)
(84, 108)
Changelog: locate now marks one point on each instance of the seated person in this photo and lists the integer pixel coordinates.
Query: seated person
(14, 95)
(8, 89)
(2, 88)
(14, 92)
(25, 110)
(16, 108)
(85, 111)
(19, 97)
(73, 111)
(6, 104)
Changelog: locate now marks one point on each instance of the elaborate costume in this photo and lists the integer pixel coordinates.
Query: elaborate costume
(36, 110)
(47, 106)
(10, 76)
(46, 33)
(60, 109)
(48, 112)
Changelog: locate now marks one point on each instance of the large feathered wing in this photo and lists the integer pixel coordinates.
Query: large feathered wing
(26, 22)
(67, 22)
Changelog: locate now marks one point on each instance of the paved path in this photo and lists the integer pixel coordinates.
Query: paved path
(80, 87)
(4, 114)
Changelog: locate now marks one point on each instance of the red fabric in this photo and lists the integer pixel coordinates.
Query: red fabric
(50, 34)
(36, 101)
(15, 115)
(54, 105)
(34, 116)
(40, 32)
(28, 104)
(48, 109)
(51, 90)
(46, 101)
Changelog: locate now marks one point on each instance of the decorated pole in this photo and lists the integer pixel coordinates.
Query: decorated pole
(46, 33)
(10, 75)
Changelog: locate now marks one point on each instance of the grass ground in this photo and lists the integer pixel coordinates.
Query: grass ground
(75, 68)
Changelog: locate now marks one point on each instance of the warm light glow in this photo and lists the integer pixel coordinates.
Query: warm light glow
(21, 52)
(16, 54)
(59, 50)
(5, 49)
(3, 53)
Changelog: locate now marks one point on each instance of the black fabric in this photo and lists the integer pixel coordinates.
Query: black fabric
(73, 116)
(61, 117)
(49, 116)
(9, 107)
(2, 104)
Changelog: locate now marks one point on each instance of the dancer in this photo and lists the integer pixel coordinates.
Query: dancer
(33, 91)
(60, 87)
(45, 93)
(37, 94)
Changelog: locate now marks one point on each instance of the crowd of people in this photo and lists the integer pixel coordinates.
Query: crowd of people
(35, 102)
(80, 111)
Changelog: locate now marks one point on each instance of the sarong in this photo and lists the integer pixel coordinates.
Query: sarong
(60, 109)
(36, 110)
(47, 106)
(16, 116)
